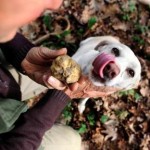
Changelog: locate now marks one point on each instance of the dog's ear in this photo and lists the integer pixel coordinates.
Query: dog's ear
(101, 44)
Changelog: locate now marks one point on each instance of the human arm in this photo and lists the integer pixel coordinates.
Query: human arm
(16, 50)
(32, 125)
(35, 61)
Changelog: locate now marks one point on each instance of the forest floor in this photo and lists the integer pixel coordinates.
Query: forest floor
(120, 121)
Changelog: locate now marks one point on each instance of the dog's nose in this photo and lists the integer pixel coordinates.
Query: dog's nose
(111, 70)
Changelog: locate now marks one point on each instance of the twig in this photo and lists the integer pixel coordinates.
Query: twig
(45, 37)
(42, 38)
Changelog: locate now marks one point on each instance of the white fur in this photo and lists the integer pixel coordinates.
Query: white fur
(86, 54)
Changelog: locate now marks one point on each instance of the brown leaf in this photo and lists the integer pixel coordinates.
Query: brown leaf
(145, 91)
(148, 50)
(120, 26)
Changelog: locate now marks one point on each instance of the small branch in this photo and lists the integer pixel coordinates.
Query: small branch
(45, 37)
(42, 38)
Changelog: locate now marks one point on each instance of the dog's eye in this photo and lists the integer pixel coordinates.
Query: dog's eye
(130, 72)
(115, 51)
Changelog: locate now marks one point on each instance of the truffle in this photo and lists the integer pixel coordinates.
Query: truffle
(65, 69)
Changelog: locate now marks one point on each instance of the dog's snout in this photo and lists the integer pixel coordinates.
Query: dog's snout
(111, 70)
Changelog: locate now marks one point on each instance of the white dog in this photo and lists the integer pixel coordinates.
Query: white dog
(107, 62)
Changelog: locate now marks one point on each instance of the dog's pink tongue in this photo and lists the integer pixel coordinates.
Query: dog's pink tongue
(101, 61)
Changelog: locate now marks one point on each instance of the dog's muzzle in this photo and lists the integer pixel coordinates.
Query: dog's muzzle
(105, 67)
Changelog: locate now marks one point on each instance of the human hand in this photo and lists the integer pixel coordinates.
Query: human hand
(86, 89)
(15, 13)
(69, 89)
(37, 66)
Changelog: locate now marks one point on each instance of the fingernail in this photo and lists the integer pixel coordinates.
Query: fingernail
(51, 79)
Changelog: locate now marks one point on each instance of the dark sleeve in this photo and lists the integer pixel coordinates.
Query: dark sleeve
(16, 50)
(32, 125)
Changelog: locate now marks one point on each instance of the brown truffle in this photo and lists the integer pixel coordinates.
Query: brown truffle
(65, 69)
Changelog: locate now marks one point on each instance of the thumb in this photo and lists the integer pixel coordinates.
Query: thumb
(47, 53)
(53, 83)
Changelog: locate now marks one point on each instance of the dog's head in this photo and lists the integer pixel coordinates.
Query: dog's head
(108, 62)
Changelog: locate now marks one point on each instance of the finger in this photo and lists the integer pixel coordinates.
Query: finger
(83, 79)
(53, 83)
(95, 94)
(51, 54)
(74, 86)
